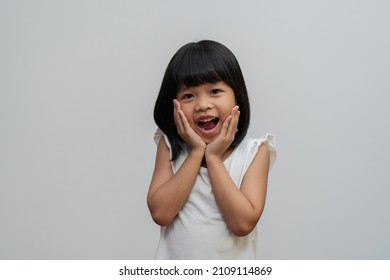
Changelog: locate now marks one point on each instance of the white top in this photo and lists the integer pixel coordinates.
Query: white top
(199, 230)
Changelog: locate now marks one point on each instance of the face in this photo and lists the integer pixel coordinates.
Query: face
(206, 107)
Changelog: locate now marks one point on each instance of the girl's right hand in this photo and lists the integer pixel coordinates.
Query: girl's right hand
(192, 139)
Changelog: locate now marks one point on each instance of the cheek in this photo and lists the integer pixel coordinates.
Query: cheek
(226, 110)
(185, 111)
(188, 114)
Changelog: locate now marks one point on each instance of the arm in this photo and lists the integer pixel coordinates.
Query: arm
(168, 192)
(241, 208)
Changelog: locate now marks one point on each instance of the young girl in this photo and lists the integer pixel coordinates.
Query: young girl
(210, 181)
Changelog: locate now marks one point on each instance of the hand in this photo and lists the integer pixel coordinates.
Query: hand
(226, 136)
(192, 139)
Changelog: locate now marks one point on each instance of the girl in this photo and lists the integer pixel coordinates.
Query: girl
(209, 183)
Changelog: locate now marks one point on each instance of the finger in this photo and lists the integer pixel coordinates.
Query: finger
(184, 121)
(176, 116)
(225, 125)
(177, 104)
(232, 118)
(236, 117)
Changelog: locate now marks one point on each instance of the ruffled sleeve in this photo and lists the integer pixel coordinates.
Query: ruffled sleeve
(158, 135)
(269, 140)
(243, 155)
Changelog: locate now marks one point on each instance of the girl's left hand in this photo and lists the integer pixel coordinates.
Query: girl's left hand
(225, 138)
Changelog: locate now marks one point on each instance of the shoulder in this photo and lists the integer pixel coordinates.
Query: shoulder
(162, 141)
(158, 135)
(264, 147)
(164, 148)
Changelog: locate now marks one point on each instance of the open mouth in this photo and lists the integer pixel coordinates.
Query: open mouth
(208, 124)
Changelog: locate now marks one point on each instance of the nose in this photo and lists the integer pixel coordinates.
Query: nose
(203, 104)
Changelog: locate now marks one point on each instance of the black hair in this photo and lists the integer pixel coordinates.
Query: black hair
(192, 65)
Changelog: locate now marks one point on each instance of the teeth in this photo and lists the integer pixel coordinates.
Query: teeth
(207, 120)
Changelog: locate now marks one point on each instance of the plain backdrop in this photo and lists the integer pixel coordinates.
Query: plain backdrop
(78, 82)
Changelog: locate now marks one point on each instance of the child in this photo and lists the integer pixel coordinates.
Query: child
(210, 181)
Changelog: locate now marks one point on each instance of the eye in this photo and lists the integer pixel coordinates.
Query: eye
(186, 96)
(215, 91)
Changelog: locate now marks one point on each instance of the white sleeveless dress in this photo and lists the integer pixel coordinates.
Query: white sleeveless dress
(199, 230)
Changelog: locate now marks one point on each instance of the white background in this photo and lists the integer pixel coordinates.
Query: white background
(78, 82)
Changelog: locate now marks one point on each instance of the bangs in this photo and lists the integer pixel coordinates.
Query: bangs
(197, 67)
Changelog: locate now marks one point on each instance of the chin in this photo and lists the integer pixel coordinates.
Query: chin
(208, 140)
